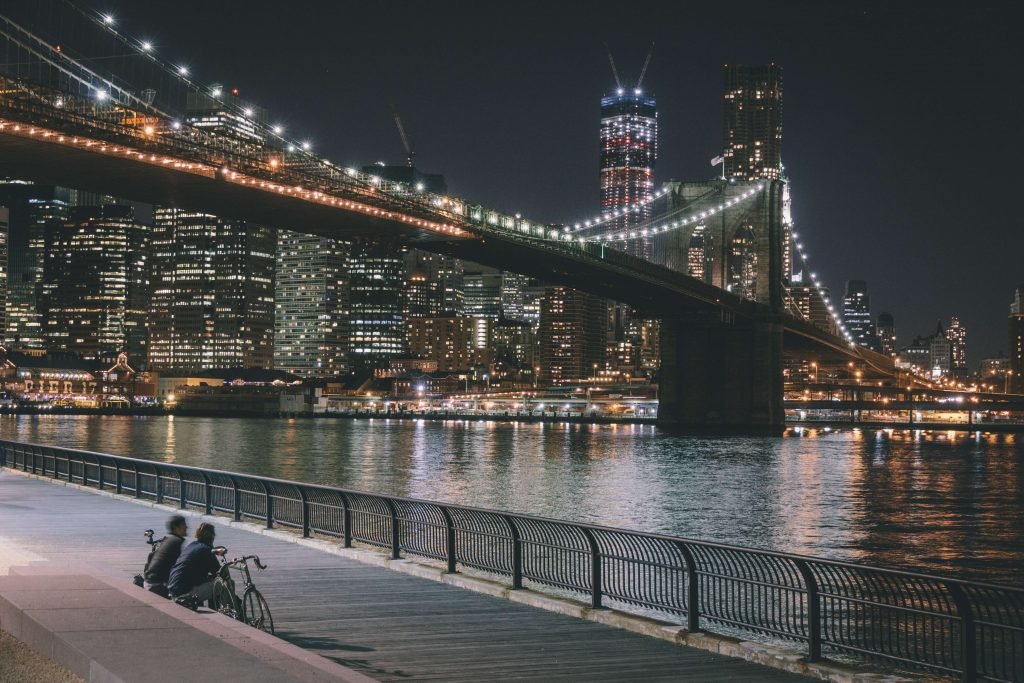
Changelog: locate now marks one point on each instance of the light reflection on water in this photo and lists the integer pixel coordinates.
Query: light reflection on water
(938, 501)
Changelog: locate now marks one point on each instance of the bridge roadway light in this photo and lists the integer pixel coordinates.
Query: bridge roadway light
(146, 46)
(278, 130)
(183, 70)
(108, 19)
(306, 146)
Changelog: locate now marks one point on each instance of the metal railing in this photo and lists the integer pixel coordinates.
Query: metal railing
(972, 631)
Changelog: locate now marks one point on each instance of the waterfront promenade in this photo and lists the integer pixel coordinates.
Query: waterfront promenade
(388, 625)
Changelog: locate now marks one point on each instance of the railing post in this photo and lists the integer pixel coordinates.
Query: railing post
(207, 493)
(70, 477)
(117, 475)
(269, 504)
(450, 540)
(692, 590)
(305, 511)
(813, 611)
(595, 569)
(396, 541)
(99, 472)
(968, 637)
(159, 485)
(138, 486)
(517, 554)
(346, 516)
(238, 499)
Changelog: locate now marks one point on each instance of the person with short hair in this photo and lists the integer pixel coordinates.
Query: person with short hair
(158, 567)
(192, 575)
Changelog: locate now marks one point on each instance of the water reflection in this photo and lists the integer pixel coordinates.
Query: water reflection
(946, 502)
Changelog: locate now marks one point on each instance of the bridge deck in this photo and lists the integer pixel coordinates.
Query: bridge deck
(388, 625)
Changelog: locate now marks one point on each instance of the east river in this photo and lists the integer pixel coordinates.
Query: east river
(941, 502)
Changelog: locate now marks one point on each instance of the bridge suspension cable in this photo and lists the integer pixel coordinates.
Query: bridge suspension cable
(663, 224)
(820, 289)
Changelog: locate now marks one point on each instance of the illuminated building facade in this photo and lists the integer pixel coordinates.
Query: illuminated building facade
(5, 224)
(212, 304)
(32, 208)
(451, 342)
(310, 305)
(887, 333)
(957, 336)
(377, 327)
(753, 121)
(572, 335)
(629, 150)
(1016, 342)
(810, 304)
(95, 283)
(857, 314)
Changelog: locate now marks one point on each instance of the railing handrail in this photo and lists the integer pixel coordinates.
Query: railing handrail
(551, 520)
(931, 622)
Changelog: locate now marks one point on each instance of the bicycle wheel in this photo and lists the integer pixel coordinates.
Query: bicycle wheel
(226, 600)
(255, 611)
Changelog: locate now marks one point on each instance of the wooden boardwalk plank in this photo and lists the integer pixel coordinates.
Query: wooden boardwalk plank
(388, 625)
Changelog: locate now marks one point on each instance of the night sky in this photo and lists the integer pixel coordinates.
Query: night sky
(902, 126)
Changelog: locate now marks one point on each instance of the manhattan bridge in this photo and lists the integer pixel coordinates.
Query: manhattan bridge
(121, 128)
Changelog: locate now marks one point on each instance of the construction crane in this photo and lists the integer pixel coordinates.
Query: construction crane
(409, 153)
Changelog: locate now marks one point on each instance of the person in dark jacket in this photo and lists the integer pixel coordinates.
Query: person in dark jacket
(192, 575)
(158, 569)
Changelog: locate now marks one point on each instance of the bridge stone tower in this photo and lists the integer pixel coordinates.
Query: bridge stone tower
(721, 372)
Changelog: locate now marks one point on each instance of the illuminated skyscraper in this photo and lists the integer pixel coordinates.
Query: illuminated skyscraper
(32, 208)
(377, 282)
(857, 314)
(311, 305)
(887, 333)
(212, 304)
(572, 335)
(93, 293)
(753, 121)
(4, 226)
(629, 149)
(957, 336)
(1016, 343)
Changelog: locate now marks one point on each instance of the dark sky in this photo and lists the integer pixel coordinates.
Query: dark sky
(902, 125)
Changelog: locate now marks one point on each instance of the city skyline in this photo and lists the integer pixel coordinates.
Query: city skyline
(870, 155)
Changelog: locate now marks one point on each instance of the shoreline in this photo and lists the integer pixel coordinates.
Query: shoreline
(509, 416)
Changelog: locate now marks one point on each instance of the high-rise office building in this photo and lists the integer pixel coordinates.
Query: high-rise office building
(483, 292)
(32, 209)
(629, 150)
(753, 121)
(377, 325)
(857, 314)
(572, 335)
(94, 288)
(310, 305)
(887, 333)
(513, 295)
(940, 353)
(957, 336)
(1016, 343)
(212, 304)
(451, 341)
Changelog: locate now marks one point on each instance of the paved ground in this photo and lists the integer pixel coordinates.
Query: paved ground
(389, 625)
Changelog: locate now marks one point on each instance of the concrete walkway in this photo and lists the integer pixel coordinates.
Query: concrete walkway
(388, 625)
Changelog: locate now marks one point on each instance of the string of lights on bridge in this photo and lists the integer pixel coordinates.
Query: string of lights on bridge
(658, 229)
(825, 299)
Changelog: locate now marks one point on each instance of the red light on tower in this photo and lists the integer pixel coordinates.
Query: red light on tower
(234, 91)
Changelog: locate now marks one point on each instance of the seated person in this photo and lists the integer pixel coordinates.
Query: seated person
(158, 567)
(192, 575)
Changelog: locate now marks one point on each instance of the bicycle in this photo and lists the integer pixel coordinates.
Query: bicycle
(251, 608)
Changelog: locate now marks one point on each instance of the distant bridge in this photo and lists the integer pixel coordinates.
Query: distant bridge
(127, 133)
